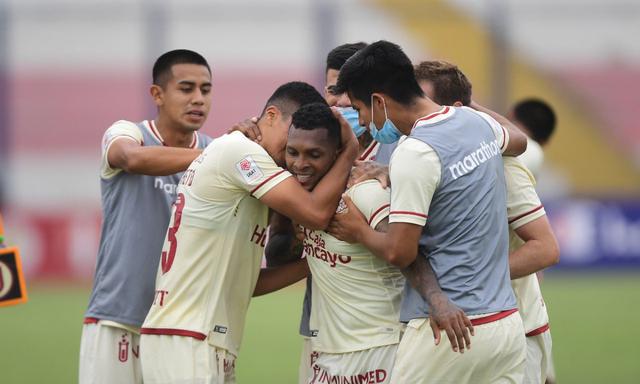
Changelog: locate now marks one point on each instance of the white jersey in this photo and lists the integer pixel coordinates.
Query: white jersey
(211, 256)
(370, 152)
(523, 206)
(533, 157)
(356, 296)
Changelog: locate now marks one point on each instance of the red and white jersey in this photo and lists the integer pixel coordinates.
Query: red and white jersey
(523, 206)
(211, 255)
(355, 295)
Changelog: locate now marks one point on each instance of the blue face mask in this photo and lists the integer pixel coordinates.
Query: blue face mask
(389, 133)
(351, 115)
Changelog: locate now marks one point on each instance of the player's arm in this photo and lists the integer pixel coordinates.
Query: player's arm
(443, 314)
(539, 251)
(131, 157)
(515, 139)
(314, 209)
(398, 246)
(275, 278)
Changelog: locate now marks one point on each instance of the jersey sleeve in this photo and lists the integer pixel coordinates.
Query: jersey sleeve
(523, 203)
(372, 200)
(415, 174)
(249, 167)
(119, 130)
(501, 134)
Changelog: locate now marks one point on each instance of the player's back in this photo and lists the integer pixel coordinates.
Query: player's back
(211, 256)
(356, 296)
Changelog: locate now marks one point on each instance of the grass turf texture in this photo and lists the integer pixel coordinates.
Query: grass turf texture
(594, 321)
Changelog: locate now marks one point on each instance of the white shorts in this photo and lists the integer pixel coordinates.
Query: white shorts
(109, 355)
(307, 359)
(497, 355)
(367, 366)
(185, 360)
(538, 358)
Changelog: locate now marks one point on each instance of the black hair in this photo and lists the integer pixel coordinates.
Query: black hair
(379, 67)
(340, 54)
(538, 118)
(318, 116)
(162, 66)
(449, 82)
(293, 95)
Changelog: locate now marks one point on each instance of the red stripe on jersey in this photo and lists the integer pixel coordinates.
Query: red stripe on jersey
(156, 133)
(90, 320)
(376, 212)
(368, 151)
(173, 332)
(194, 142)
(539, 207)
(538, 331)
(431, 116)
(494, 317)
(408, 213)
(266, 181)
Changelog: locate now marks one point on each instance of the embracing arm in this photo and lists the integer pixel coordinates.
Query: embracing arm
(274, 278)
(131, 157)
(517, 140)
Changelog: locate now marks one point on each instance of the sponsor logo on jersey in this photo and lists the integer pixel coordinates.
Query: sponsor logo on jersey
(474, 159)
(123, 349)
(368, 377)
(313, 332)
(249, 170)
(314, 246)
(168, 188)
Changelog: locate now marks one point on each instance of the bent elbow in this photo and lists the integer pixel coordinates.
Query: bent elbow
(318, 221)
(554, 255)
(397, 260)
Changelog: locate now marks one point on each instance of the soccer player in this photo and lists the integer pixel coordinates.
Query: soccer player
(532, 244)
(213, 249)
(141, 166)
(538, 120)
(449, 172)
(356, 296)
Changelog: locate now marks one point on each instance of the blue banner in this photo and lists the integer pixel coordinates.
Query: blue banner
(596, 232)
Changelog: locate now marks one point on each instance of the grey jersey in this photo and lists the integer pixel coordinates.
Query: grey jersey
(136, 210)
(466, 233)
(383, 156)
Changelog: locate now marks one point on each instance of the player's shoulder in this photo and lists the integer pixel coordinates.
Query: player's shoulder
(236, 141)
(368, 192)
(124, 124)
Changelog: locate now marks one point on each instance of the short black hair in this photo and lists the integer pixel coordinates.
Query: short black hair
(538, 118)
(340, 54)
(293, 95)
(318, 116)
(162, 66)
(449, 82)
(379, 67)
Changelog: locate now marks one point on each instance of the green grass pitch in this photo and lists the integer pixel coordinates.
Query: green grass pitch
(595, 322)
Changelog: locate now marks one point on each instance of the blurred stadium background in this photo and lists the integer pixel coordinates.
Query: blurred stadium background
(70, 68)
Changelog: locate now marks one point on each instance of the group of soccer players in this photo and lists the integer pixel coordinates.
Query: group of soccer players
(446, 240)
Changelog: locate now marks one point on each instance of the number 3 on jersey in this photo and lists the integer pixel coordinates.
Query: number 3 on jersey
(167, 257)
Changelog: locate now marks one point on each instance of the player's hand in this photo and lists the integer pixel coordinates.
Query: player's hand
(349, 140)
(345, 225)
(249, 128)
(444, 315)
(369, 170)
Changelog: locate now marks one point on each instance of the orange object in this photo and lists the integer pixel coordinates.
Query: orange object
(13, 289)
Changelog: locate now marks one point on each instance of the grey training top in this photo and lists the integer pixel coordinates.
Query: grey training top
(136, 210)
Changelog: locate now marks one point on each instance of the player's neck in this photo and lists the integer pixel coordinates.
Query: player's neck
(172, 136)
(405, 117)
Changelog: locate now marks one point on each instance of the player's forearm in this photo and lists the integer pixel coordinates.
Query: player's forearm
(326, 195)
(533, 256)
(275, 278)
(387, 246)
(422, 278)
(158, 161)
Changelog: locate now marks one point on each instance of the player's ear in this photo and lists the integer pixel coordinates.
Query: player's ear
(157, 94)
(271, 114)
